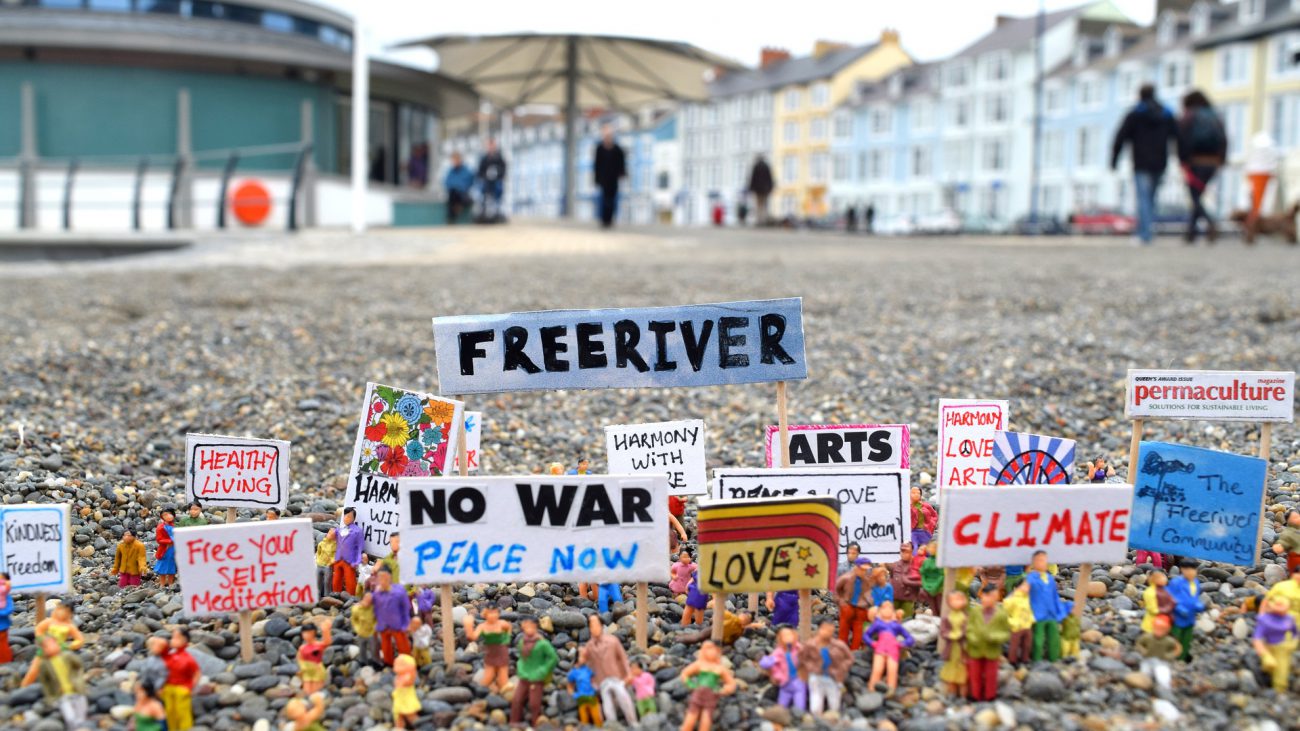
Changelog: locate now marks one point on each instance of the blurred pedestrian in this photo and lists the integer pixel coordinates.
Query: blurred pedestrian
(851, 219)
(1202, 148)
(417, 167)
(458, 181)
(492, 180)
(761, 185)
(609, 168)
(1148, 129)
(869, 218)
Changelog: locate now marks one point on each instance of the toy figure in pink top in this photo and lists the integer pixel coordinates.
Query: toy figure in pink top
(683, 568)
(783, 666)
(887, 638)
(643, 689)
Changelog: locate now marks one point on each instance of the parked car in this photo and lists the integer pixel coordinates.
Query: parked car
(982, 224)
(943, 222)
(1041, 225)
(1102, 221)
(899, 224)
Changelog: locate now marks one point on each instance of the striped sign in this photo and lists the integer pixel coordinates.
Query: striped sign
(768, 544)
(1031, 459)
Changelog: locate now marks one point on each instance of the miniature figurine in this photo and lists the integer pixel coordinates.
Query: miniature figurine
(392, 616)
(6, 618)
(421, 642)
(1015, 575)
(924, 519)
(311, 671)
(536, 664)
(853, 593)
(931, 577)
(149, 712)
(406, 704)
(609, 593)
(882, 590)
(888, 637)
(676, 533)
(784, 606)
(325, 551)
(907, 581)
(61, 627)
(349, 554)
(995, 576)
(555, 468)
(193, 516)
(272, 513)
(154, 672)
(825, 661)
(1275, 641)
(696, 602)
(584, 693)
(1020, 620)
(851, 554)
(165, 565)
(306, 718)
(1289, 590)
(1186, 591)
(987, 630)
(733, 628)
(182, 674)
(583, 468)
(495, 635)
(1049, 609)
(1152, 557)
(1158, 649)
(425, 600)
(62, 682)
(643, 689)
(363, 627)
(389, 562)
(1288, 541)
(129, 563)
(609, 667)
(783, 667)
(1156, 599)
(1098, 471)
(707, 678)
(682, 571)
(1071, 634)
(953, 629)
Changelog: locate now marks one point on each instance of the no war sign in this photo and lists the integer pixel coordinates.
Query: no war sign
(695, 345)
(602, 528)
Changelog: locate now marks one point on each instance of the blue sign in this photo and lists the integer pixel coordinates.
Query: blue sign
(1198, 502)
(654, 347)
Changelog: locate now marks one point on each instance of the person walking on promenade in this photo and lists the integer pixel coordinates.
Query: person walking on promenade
(1148, 130)
(609, 168)
(1202, 148)
(761, 185)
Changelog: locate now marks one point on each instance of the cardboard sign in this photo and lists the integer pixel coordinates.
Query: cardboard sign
(873, 502)
(841, 445)
(1211, 395)
(1198, 502)
(473, 440)
(998, 526)
(232, 472)
(1031, 459)
(599, 528)
(36, 548)
(966, 440)
(401, 434)
(694, 345)
(229, 567)
(768, 544)
(672, 447)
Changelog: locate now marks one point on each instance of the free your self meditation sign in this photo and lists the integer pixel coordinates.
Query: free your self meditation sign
(694, 345)
(233, 567)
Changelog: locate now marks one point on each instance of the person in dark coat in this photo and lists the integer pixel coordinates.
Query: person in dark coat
(492, 180)
(869, 218)
(609, 168)
(1148, 130)
(761, 185)
(1202, 148)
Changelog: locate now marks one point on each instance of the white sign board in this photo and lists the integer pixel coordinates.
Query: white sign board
(966, 430)
(36, 548)
(841, 445)
(672, 447)
(473, 442)
(1005, 525)
(874, 511)
(229, 567)
(234, 472)
(1211, 395)
(567, 528)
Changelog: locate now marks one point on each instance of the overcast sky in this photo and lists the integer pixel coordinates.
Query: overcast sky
(930, 28)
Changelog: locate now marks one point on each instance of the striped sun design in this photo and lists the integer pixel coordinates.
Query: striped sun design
(1031, 459)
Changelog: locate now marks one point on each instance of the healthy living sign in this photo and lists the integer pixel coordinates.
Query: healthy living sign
(1211, 395)
(232, 472)
(599, 528)
(694, 345)
(36, 548)
(233, 567)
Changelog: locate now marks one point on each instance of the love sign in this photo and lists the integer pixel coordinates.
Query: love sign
(768, 544)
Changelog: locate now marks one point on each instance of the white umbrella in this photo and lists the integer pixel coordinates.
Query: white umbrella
(575, 72)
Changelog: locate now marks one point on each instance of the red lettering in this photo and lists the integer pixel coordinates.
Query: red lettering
(1119, 525)
(959, 534)
(1085, 528)
(209, 552)
(992, 540)
(1102, 517)
(1140, 393)
(1026, 520)
(1059, 523)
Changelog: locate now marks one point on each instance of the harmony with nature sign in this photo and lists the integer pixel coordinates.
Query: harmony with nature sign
(847, 445)
(694, 345)
(599, 528)
(1211, 395)
(992, 526)
(768, 544)
(873, 502)
(36, 548)
(232, 567)
(234, 472)
(675, 448)
(966, 431)
(1198, 502)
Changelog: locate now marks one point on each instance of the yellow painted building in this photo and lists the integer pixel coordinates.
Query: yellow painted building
(811, 88)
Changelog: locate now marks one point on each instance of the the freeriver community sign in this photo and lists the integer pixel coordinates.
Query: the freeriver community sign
(233, 472)
(675, 448)
(966, 429)
(232, 567)
(694, 345)
(1005, 525)
(36, 548)
(599, 528)
(841, 445)
(1211, 395)
(768, 544)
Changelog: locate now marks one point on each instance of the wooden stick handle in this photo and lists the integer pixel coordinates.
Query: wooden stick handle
(40, 608)
(719, 609)
(230, 515)
(1081, 588)
(448, 628)
(462, 449)
(805, 614)
(1265, 450)
(783, 423)
(246, 635)
(642, 615)
(1134, 442)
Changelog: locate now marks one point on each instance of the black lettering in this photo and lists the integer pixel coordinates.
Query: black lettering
(591, 352)
(477, 505)
(514, 338)
(785, 549)
(469, 350)
(881, 449)
(695, 348)
(801, 451)
(828, 447)
(425, 510)
(542, 504)
(661, 328)
(855, 440)
(596, 507)
(636, 505)
(727, 341)
(626, 336)
(552, 347)
(771, 328)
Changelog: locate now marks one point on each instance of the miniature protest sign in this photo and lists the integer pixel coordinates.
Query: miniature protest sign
(591, 528)
(768, 544)
(1031, 459)
(693, 345)
(1198, 502)
(473, 441)
(1211, 395)
(999, 526)
(841, 445)
(36, 548)
(873, 502)
(239, 567)
(401, 434)
(234, 472)
(966, 430)
(672, 447)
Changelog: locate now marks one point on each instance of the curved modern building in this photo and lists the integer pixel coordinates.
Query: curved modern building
(108, 85)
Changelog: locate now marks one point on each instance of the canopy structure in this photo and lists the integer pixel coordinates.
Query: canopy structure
(575, 72)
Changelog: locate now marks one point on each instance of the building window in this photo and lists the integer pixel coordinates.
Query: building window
(817, 128)
(821, 94)
(843, 125)
(922, 115)
(961, 113)
(1086, 149)
(790, 132)
(876, 165)
(1234, 126)
(791, 100)
(995, 156)
(1284, 120)
(840, 166)
(789, 169)
(999, 67)
(1053, 100)
(789, 204)
(1233, 64)
(920, 162)
(1087, 93)
(711, 114)
(817, 167)
(1252, 11)
(881, 121)
(995, 109)
(957, 75)
(1054, 149)
(1284, 48)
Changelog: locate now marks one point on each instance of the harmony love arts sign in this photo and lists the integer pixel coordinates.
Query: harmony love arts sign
(234, 567)
(601, 528)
